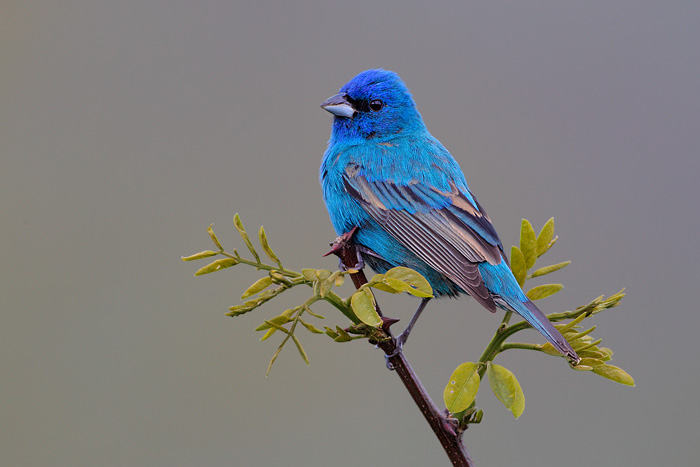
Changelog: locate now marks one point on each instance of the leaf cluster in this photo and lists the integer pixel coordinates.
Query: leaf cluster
(461, 390)
(359, 308)
(366, 323)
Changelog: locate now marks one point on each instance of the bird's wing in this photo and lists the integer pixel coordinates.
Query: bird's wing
(445, 229)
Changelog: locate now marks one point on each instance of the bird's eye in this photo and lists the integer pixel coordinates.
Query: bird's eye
(376, 105)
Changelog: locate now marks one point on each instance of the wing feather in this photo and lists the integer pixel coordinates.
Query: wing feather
(444, 229)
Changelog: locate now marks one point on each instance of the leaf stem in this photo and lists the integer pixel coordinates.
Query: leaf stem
(520, 345)
(259, 265)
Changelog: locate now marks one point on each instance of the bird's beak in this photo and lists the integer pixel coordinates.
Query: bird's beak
(339, 106)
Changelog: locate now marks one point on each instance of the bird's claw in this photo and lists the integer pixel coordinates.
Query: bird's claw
(397, 350)
(390, 366)
(358, 266)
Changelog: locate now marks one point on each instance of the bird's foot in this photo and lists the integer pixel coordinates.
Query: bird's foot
(390, 366)
(398, 349)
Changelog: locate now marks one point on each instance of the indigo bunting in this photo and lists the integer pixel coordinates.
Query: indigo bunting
(388, 178)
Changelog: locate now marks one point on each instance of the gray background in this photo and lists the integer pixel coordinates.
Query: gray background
(127, 127)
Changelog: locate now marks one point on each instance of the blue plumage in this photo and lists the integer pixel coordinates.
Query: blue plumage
(384, 173)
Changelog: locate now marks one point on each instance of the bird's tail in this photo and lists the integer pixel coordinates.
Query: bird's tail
(539, 321)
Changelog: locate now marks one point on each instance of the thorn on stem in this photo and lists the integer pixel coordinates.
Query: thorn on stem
(388, 322)
(448, 424)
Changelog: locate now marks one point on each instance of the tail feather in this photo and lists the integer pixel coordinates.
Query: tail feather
(529, 311)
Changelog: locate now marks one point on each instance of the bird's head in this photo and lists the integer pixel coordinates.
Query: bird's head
(374, 104)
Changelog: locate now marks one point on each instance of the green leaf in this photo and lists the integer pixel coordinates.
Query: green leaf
(461, 391)
(339, 280)
(614, 300)
(325, 287)
(300, 349)
(273, 328)
(589, 308)
(549, 269)
(280, 320)
(313, 313)
(544, 239)
(594, 354)
(284, 318)
(614, 373)
(200, 255)
(507, 388)
(217, 265)
(262, 237)
(542, 291)
(309, 274)
(258, 286)
(241, 309)
(323, 274)
(333, 277)
(331, 333)
(274, 357)
(362, 303)
(584, 341)
(237, 311)
(550, 350)
(408, 280)
(377, 283)
(269, 333)
(570, 325)
(592, 362)
(216, 241)
(311, 327)
(385, 288)
(376, 278)
(326, 284)
(278, 278)
(265, 295)
(517, 265)
(279, 327)
(244, 235)
(583, 335)
(343, 336)
(608, 353)
(528, 243)
(580, 346)
(396, 285)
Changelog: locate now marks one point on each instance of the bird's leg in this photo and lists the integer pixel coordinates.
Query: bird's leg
(358, 266)
(403, 337)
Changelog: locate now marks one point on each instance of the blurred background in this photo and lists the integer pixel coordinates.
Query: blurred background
(126, 128)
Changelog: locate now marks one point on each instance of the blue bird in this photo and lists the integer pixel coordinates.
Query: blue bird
(388, 178)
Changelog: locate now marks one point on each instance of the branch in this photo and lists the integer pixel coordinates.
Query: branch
(450, 440)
